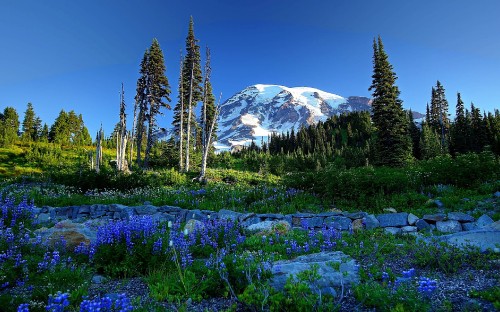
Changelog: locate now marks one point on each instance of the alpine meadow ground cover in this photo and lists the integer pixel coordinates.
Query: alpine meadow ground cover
(218, 258)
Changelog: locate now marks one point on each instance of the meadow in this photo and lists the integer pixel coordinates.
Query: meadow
(147, 265)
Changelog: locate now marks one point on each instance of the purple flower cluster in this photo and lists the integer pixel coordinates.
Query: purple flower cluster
(15, 239)
(427, 286)
(128, 231)
(50, 261)
(122, 304)
(58, 302)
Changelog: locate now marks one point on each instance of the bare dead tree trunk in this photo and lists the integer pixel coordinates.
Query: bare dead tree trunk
(98, 154)
(208, 143)
(132, 137)
(181, 130)
(190, 108)
(121, 145)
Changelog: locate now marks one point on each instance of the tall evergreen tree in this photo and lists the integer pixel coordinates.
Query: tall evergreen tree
(439, 118)
(478, 130)
(192, 92)
(430, 145)
(152, 94)
(140, 108)
(459, 128)
(158, 92)
(393, 140)
(9, 127)
(414, 134)
(28, 125)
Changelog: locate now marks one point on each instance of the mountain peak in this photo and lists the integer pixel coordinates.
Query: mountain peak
(261, 109)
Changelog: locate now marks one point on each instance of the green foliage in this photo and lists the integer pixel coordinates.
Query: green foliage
(448, 258)
(393, 143)
(492, 295)
(9, 126)
(383, 297)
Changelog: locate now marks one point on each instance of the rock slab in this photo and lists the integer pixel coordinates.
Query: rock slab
(343, 272)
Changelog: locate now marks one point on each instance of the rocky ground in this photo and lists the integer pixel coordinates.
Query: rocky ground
(452, 288)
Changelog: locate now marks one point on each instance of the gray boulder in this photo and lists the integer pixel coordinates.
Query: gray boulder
(434, 217)
(408, 229)
(146, 210)
(450, 226)
(423, 225)
(412, 219)
(356, 215)
(336, 270)
(339, 223)
(393, 219)
(469, 226)
(195, 214)
(371, 222)
(392, 230)
(225, 214)
(268, 226)
(460, 217)
(484, 239)
(483, 221)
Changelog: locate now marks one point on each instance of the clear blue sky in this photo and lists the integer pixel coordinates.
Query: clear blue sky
(75, 54)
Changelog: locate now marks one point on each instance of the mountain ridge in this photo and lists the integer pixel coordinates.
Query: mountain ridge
(261, 109)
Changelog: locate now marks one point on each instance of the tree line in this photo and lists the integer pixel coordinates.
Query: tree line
(68, 128)
(388, 135)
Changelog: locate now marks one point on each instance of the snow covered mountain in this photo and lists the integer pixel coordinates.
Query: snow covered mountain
(259, 110)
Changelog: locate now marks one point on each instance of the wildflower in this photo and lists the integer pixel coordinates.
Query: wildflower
(426, 286)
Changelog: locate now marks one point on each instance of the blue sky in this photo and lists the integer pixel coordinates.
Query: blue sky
(60, 54)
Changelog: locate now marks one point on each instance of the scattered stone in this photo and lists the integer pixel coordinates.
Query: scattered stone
(271, 216)
(422, 225)
(409, 229)
(460, 216)
(43, 218)
(225, 214)
(434, 217)
(97, 211)
(493, 226)
(393, 219)
(356, 215)
(469, 226)
(145, 210)
(99, 279)
(339, 223)
(72, 233)
(246, 216)
(330, 214)
(268, 226)
(390, 210)
(336, 270)
(438, 204)
(195, 214)
(357, 225)
(484, 220)
(412, 219)
(371, 222)
(449, 226)
(392, 230)
(484, 239)
(192, 225)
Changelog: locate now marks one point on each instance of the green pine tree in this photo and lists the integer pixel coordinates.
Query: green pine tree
(414, 134)
(28, 125)
(430, 146)
(459, 143)
(393, 142)
(9, 127)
